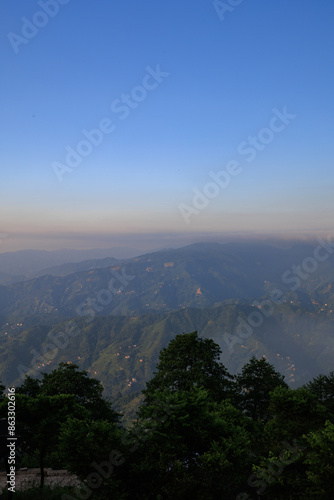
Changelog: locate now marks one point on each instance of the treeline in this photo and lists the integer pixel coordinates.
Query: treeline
(200, 432)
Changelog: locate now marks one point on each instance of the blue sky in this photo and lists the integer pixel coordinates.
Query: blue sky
(224, 76)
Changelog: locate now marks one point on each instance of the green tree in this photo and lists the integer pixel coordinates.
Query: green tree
(300, 471)
(68, 379)
(190, 361)
(191, 447)
(95, 451)
(323, 388)
(39, 419)
(43, 405)
(320, 462)
(257, 380)
(294, 413)
(193, 436)
(30, 387)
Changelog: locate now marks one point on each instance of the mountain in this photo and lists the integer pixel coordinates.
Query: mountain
(26, 264)
(251, 299)
(200, 275)
(8, 279)
(76, 267)
(122, 351)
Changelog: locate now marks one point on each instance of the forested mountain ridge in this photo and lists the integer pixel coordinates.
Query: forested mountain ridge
(199, 275)
(125, 313)
(122, 351)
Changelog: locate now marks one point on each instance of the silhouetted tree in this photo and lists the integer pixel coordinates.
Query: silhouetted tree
(257, 380)
(323, 388)
(187, 362)
(68, 379)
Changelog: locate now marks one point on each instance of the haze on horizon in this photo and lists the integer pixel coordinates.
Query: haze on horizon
(156, 125)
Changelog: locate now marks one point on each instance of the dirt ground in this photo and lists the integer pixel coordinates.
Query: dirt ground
(26, 478)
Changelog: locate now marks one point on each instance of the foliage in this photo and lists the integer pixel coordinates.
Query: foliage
(294, 412)
(190, 361)
(323, 388)
(256, 381)
(200, 433)
(191, 446)
(43, 406)
(68, 379)
(320, 461)
(303, 470)
(39, 419)
(30, 387)
(85, 441)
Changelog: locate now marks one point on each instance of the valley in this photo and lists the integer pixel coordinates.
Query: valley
(113, 321)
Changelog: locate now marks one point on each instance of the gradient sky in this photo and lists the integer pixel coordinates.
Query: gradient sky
(227, 72)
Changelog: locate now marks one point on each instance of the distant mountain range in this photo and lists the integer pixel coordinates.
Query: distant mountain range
(27, 264)
(124, 313)
(200, 275)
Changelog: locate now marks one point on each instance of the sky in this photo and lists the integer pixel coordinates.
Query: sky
(159, 123)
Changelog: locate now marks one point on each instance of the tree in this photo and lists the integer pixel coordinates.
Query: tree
(300, 471)
(39, 419)
(187, 362)
(68, 379)
(30, 387)
(323, 388)
(190, 448)
(257, 380)
(42, 406)
(295, 412)
(94, 450)
(320, 461)
(193, 436)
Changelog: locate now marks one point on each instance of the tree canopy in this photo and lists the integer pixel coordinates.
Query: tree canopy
(68, 379)
(257, 380)
(200, 432)
(187, 362)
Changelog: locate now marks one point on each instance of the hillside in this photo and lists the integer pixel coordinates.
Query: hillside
(200, 275)
(122, 351)
(113, 321)
(27, 264)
